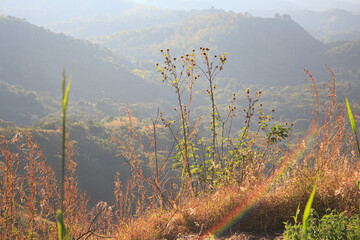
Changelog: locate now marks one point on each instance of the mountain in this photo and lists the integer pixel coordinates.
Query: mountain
(134, 18)
(33, 58)
(330, 25)
(261, 50)
(24, 107)
(345, 56)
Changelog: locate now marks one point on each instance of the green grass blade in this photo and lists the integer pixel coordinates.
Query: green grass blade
(65, 94)
(211, 236)
(307, 211)
(297, 213)
(353, 125)
(61, 226)
(351, 117)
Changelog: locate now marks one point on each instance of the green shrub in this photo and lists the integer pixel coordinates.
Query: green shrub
(331, 226)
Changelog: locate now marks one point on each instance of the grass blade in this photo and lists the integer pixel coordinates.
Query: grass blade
(62, 232)
(307, 211)
(65, 94)
(353, 125)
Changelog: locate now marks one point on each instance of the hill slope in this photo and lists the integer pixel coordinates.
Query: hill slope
(33, 58)
(261, 50)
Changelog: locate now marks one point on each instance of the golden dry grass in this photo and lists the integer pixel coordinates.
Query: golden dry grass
(148, 209)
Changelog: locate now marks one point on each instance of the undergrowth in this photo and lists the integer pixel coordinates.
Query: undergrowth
(196, 182)
(333, 225)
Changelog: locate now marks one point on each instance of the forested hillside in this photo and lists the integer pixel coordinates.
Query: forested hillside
(278, 46)
(33, 58)
(130, 19)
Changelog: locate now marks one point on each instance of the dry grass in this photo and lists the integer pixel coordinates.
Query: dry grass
(154, 207)
(29, 194)
(326, 159)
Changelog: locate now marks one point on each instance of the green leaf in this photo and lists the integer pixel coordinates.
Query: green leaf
(353, 125)
(65, 92)
(60, 220)
(307, 211)
(351, 117)
(297, 213)
(211, 236)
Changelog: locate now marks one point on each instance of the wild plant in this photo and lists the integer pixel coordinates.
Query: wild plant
(224, 156)
(30, 196)
(326, 158)
(332, 225)
(139, 158)
(60, 219)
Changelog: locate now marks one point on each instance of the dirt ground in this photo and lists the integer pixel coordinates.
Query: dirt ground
(238, 236)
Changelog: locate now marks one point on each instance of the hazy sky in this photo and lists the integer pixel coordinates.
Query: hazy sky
(246, 5)
(43, 12)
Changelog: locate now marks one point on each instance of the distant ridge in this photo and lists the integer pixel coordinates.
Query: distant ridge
(261, 50)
